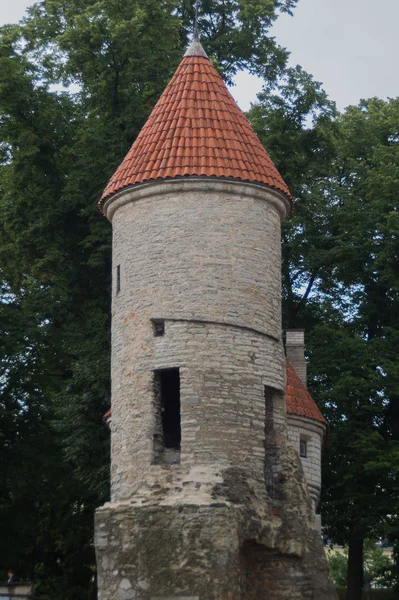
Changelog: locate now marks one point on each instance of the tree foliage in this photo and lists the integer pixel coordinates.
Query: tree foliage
(378, 566)
(341, 284)
(78, 78)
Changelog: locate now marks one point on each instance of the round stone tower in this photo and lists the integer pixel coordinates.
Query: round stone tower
(198, 434)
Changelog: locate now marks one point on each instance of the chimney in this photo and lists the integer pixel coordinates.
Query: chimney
(295, 351)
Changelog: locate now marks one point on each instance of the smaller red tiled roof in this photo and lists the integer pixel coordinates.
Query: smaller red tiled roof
(107, 415)
(196, 130)
(299, 401)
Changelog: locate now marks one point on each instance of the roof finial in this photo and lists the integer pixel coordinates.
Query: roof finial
(195, 48)
(196, 30)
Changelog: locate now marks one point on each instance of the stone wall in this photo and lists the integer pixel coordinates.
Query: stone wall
(199, 249)
(209, 268)
(196, 287)
(23, 591)
(313, 432)
(229, 541)
(186, 552)
(295, 352)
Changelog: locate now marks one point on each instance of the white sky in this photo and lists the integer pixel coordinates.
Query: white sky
(351, 46)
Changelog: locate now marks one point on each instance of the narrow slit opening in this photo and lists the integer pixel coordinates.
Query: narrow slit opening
(303, 448)
(274, 404)
(118, 279)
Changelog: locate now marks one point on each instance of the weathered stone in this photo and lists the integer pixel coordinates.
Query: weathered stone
(314, 433)
(227, 515)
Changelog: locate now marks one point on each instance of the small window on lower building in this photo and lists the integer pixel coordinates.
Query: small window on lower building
(303, 448)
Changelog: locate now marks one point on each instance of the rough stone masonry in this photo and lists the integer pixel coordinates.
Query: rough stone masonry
(204, 525)
(208, 496)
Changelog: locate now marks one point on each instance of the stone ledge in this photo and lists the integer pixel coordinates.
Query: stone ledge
(173, 186)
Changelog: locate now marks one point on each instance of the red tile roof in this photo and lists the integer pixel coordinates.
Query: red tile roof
(299, 401)
(196, 129)
(107, 415)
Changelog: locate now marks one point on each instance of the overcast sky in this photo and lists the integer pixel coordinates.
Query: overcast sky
(351, 46)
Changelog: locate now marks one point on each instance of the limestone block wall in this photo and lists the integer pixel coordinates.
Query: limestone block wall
(199, 250)
(204, 258)
(313, 433)
(222, 376)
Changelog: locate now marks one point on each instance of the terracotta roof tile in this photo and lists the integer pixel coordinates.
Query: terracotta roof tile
(299, 401)
(107, 415)
(198, 121)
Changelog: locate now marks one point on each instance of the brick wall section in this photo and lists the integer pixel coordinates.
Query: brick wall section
(201, 561)
(209, 265)
(295, 350)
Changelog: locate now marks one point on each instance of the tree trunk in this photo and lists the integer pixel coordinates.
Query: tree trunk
(354, 580)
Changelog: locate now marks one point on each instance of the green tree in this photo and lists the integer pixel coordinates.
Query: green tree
(78, 79)
(365, 261)
(48, 249)
(295, 120)
(340, 281)
(378, 566)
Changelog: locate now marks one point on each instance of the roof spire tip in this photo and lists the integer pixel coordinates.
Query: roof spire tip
(195, 48)
(196, 31)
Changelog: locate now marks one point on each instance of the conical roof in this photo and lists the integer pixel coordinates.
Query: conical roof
(299, 401)
(196, 129)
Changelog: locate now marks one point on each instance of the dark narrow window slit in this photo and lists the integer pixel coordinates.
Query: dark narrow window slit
(118, 279)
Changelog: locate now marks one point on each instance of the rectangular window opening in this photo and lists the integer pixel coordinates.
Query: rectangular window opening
(118, 279)
(167, 437)
(158, 327)
(303, 448)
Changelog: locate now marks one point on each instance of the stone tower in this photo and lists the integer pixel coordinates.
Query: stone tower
(208, 497)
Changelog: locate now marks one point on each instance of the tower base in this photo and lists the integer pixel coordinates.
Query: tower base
(213, 551)
(167, 553)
